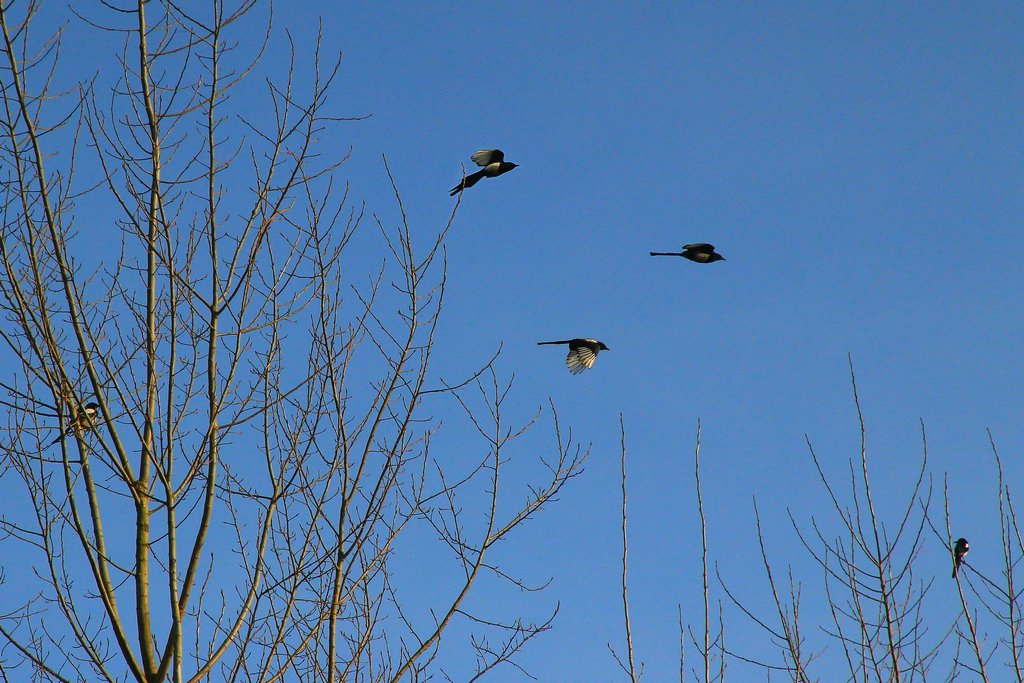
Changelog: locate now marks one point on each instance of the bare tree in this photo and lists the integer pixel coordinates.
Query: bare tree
(999, 597)
(875, 595)
(874, 588)
(628, 662)
(1007, 609)
(784, 628)
(707, 646)
(263, 442)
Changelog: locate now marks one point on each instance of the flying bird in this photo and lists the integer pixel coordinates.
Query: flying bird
(494, 164)
(700, 252)
(582, 353)
(84, 419)
(959, 550)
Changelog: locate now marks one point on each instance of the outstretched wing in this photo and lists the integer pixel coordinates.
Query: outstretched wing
(700, 247)
(483, 157)
(580, 358)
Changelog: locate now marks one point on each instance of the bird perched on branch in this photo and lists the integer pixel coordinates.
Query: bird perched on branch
(582, 353)
(494, 164)
(699, 252)
(84, 419)
(960, 549)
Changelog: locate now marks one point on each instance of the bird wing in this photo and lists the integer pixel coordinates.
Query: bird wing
(483, 157)
(580, 358)
(702, 247)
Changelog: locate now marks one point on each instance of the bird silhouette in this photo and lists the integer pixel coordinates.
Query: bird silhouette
(582, 353)
(699, 252)
(959, 550)
(494, 164)
(84, 419)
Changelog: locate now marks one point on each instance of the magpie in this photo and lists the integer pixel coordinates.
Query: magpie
(700, 252)
(84, 419)
(959, 550)
(582, 353)
(494, 164)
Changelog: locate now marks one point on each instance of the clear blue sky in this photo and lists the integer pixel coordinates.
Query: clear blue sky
(859, 165)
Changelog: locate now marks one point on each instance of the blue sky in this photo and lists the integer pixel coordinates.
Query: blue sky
(859, 165)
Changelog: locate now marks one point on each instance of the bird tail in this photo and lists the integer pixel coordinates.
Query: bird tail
(665, 253)
(59, 437)
(564, 341)
(468, 181)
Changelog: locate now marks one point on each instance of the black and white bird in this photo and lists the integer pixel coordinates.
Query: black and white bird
(494, 164)
(960, 549)
(84, 419)
(699, 252)
(582, 353)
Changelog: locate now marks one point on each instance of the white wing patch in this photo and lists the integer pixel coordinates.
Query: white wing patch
(580, 359)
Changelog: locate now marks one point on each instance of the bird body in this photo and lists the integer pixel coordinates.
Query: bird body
(84, 419)
(960, 549)
(699, 252)
(582, 353)
(493, 163)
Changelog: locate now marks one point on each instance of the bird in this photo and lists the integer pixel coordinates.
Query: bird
(959, 550)
(494, 164)
(84, 419)
(699, 252)
(582, 353)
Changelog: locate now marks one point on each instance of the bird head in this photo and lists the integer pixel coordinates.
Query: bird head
(602, 347)
(510, 165)
(715, 257)
(92, 406)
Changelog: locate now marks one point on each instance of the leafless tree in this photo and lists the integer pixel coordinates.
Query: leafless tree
(710, 646)
(252, 499)
(999, 596)
(707, 647)
(627, 662)
(879, 579)
(1006, 603)
(874, 593)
